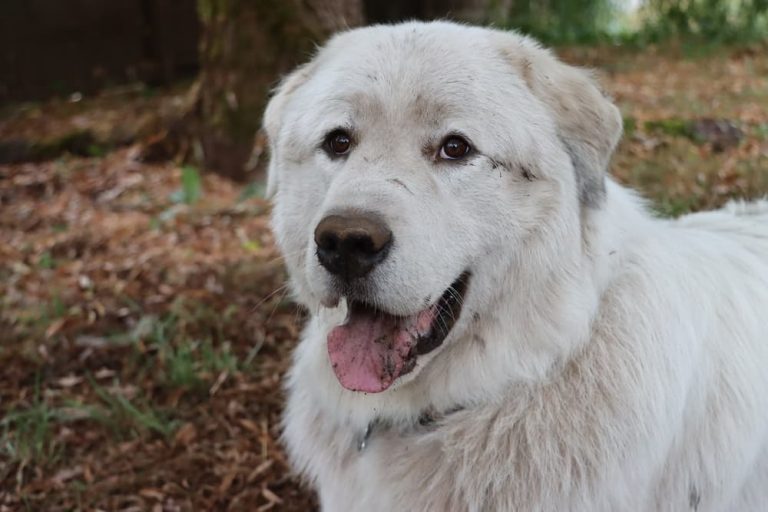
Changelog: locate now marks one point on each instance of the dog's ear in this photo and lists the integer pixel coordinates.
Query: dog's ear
(589, 124)
(273, 117)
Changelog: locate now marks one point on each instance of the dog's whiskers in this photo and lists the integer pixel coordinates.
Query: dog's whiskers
(456, 295)
(282, 288)
(441, 311)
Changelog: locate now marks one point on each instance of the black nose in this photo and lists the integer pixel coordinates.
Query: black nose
(349, 245)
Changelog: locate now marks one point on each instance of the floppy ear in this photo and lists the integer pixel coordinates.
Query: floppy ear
(273, 116)
(589, 124)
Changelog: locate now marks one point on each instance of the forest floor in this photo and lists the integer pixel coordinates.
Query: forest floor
(144, 325)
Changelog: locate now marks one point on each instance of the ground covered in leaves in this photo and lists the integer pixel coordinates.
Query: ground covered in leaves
(144, 325)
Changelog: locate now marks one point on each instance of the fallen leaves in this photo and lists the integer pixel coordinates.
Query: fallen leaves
(136, 329)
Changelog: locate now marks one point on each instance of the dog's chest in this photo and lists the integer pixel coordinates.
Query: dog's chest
(390, 473)
(349, 466)
(358, 468)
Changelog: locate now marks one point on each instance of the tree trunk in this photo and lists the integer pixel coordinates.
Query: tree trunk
(245, 46)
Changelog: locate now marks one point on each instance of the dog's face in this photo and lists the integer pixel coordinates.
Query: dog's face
(412, 162)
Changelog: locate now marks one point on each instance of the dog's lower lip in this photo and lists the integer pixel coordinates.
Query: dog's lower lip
(449, 308)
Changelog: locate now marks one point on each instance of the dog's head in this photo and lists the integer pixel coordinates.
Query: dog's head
(411, 163)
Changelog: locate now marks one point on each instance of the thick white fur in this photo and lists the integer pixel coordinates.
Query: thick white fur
(604, 360)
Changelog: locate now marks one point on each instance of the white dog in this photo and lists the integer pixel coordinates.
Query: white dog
(496, 325)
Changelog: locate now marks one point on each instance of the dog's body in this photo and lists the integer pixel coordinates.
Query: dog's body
(602, 359)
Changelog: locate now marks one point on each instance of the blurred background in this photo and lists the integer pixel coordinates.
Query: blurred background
(144, 321)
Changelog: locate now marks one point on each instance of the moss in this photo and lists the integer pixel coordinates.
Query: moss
(675, 127)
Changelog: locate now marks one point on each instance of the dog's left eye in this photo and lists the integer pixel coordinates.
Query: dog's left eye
(338, 143)
(454, 148)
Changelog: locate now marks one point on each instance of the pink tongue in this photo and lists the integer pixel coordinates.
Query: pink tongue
(372, 349)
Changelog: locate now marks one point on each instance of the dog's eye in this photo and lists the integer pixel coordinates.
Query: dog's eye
(454, 148)
(338, 143)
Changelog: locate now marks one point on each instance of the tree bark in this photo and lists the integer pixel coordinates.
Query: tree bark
(245, 46)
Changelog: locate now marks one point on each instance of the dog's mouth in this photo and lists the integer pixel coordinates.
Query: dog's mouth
(373, 348)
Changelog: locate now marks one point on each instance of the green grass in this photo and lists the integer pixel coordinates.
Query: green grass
(192, 362)
(674, 127)
(46, 261)
(191, 186)
(165, 345)
(185, 353)
(673, 206)
(122, 415)
(56, 308)
(761, 131)
(189, 193)
(27, 433)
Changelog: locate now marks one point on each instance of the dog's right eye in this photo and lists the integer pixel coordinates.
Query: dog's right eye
(338, 143)
(454, 148)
